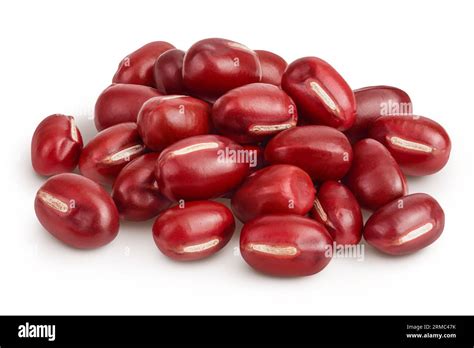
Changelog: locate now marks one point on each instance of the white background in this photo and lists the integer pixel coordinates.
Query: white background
(57, 56)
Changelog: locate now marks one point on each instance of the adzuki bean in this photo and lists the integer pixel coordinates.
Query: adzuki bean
(405, 225)
(278, 189)
(213, 67)
(137, 67)
(375, 177)
(286, 245)
(163, 121)
(168, 72)
(338, 210)
(56, 145)
(273, 67)
(135, 191)
(374, 102)
(201, 167)
(120, 103)
(323, 152)
(195, 231)
(77, 211)
(321, 94)
(419, 145)
(109, 151)
(253, 113)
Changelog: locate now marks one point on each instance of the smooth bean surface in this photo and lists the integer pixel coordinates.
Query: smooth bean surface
(420, 145)
(253, 113)
(405, 225)
(277, 189)
(286, 245)
(195, 231)
(77, 211)
(321, 94)
(375, 177)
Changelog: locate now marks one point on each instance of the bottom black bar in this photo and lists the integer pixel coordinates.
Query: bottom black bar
(301, 331)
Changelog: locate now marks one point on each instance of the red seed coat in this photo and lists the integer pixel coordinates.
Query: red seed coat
(419, 145)
(286, 245)
(137, 67)
(323, 152)
(56, 145)
(136, 192)
(321, 94)
(253, 113)
(214, 66)
(109, 151)
(163, 121)
(200, 167)
(77, 211)
(277, 189)
(120, 103)
(337, 209)
(375, 178)
(196, 231)
(405, 225)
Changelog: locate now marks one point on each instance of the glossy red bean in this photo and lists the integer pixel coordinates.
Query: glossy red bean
(168, 72)
(163, 121)
(109, 151)
(77, 211)
(135, 191)
(201, 167)
(286, 245)
(120, 103)
(214, 66)
(253, 113)
(405, 225)
(337, 209)
(323, 152)
(195, 231)
(137, 67)
(278, 189)
(321, 94)
(375, 177)
(56, 145)
(374, 102)
(273, 67)
(420, 145)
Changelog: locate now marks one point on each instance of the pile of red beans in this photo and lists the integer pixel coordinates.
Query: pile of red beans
(297, 151)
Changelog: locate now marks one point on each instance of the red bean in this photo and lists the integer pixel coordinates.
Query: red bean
(120, 103)
(110, 151)
(321, 94)
(163, 121)
(375, 178)
(137, 67)
(195, 231)
(168, 72)
(337, 209)
(253, 113)
(278, 189)
(77, 211)
(56, 145)
(286, 245)
(273, 67)
(374, 102)
(136, 192)
(201, 167)
(323, 152)
(213, 67)
(420, 145)
(405, 225)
